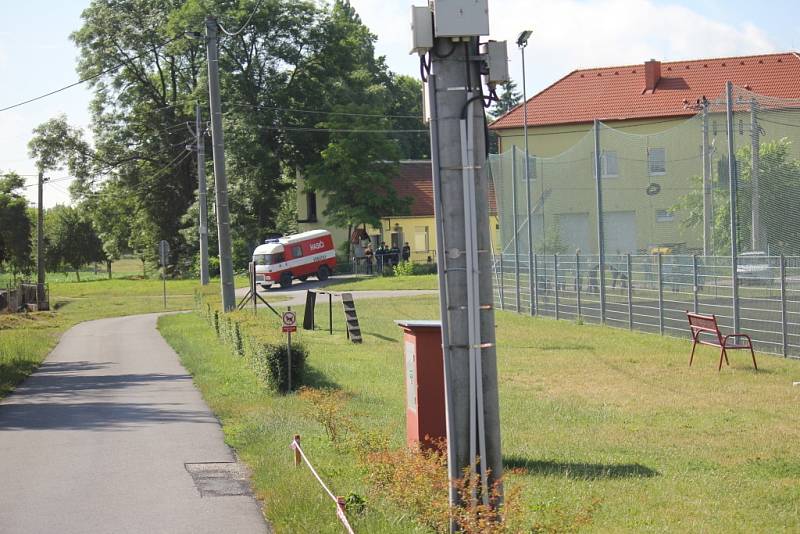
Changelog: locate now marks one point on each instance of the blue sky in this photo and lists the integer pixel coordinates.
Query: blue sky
(36, 55)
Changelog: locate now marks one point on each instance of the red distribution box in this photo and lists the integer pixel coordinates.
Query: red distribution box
(424, 373)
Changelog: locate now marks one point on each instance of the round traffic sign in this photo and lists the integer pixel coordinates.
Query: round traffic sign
(289, 318)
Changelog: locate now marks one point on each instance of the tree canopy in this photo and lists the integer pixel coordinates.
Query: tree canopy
(15, 225)
(295, 83)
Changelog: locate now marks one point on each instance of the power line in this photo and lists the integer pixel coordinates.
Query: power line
(243, 26)
(320, 112)
(84, 80)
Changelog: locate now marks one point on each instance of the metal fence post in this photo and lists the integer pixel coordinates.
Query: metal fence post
(535, 284)
(695, 283)
(502, 282)
(578, 282)
(784, 336)
(600, 239)
(555, 281)
(660, 296)
(516, 221)
(630, 291)
(733, 182)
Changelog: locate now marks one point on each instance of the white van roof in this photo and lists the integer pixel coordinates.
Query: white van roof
(277, 246)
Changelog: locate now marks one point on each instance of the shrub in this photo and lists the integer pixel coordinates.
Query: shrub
(405, 268)
(269, 362)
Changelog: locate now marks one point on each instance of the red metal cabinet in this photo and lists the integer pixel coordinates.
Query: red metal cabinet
(424, 373)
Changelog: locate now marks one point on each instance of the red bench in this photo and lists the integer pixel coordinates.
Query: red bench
(707, 324)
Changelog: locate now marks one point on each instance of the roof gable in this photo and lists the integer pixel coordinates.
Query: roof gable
(415, 180)
(619, 93)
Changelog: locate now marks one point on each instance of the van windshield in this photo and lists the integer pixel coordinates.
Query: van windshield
(267, 259)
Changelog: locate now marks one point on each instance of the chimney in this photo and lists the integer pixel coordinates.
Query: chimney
(652, 73)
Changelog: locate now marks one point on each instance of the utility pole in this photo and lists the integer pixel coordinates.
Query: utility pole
(220, 179)
(461, 191)
(202, 192)
(40, 268)
(522, 43)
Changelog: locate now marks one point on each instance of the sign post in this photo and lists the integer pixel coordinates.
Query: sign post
(289, 325)
(163, 254)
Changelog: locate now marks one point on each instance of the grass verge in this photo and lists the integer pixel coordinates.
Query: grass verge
(603, 429)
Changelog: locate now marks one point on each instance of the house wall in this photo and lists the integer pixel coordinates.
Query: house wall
(563, 187)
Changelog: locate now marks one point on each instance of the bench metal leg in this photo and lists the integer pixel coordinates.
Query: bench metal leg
(723, 354)
(753, 354)
(691, 356)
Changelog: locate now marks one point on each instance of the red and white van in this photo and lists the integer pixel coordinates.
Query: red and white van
(294, 256)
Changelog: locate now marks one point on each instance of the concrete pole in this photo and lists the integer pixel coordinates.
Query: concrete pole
(755, 202)
(40, 268)
(220, 179)
(732, 184)
(454, 78)
(528, 201)
(202, 192)
(707, 188)
(601, 268)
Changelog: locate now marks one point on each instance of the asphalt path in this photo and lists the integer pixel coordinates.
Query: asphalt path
(102, 439)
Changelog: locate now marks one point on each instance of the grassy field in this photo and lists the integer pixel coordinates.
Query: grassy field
(25, 339)
(379, 283)
(603, 429)
(122, 268)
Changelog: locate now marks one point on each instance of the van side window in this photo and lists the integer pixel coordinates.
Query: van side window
(297, 251)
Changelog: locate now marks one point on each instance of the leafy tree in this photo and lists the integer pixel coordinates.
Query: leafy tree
(15, 225)
(357, 166)
(779, 176)
(70, 240)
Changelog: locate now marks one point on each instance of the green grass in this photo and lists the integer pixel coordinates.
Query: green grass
(384, 283)
(603, 429)
(26, 339)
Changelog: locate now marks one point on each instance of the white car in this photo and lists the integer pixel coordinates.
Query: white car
(756, 269)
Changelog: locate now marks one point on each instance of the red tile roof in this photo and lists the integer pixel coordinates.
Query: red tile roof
(415, 180)
(618, 93)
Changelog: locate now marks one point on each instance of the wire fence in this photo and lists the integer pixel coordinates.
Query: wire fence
(649, 205)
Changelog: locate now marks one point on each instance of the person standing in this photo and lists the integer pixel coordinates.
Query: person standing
(406, 252)
(368, 253)
(394, 255)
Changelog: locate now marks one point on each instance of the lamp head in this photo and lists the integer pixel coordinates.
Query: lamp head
(522, 39)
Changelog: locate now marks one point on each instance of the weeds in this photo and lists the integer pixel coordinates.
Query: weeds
(326, 407)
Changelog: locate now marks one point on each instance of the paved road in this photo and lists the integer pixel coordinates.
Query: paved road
(96, 441)
(296, 295)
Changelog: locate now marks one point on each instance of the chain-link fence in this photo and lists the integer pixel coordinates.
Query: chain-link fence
(631, 226)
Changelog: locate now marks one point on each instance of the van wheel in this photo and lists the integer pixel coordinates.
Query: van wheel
(303, 278)
(286, 280)
(323, 273)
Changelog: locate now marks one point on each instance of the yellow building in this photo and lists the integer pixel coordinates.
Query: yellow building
(417, 228)
(650, 139)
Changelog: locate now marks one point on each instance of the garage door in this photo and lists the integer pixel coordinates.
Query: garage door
(575, 233)
(619, 228)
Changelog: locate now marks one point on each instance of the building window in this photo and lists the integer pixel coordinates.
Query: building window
(609, 164)
(664, 216)
(656, 161)
(311, 206)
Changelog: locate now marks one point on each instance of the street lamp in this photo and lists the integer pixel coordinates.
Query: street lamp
(522, 42)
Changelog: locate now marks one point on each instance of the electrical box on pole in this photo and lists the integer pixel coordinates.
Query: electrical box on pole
(496, 53)
(421, 29)
(461, 18)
